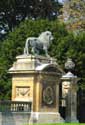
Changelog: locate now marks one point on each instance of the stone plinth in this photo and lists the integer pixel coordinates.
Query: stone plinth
(27, 63)
(46, 117)
(36, 79)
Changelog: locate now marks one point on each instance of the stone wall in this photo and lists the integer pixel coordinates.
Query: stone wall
(14, 118)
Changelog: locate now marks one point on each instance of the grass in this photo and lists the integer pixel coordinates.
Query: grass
(58, 124)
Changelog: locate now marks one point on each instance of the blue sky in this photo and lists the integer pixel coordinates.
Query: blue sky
(60, 1)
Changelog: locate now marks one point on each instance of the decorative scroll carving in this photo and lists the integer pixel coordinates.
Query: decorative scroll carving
(22, 91)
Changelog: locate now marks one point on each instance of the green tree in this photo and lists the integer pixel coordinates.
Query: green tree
(12, 12)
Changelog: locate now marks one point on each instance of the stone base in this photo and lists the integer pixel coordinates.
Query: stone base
(46, 117)
(71, 120)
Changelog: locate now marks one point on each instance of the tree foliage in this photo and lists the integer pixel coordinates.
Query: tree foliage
(12, 12)
(74, 14)
(64, 45)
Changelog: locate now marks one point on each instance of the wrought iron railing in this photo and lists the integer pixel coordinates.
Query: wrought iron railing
(15, 106)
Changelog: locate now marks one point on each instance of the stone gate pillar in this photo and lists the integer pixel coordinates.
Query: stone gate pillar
(36, 79)
(69, 83)
(69, 93)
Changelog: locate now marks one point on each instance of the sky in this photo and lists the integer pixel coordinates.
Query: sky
(60, 1)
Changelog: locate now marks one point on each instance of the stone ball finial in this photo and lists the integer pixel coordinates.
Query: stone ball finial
(69, 65)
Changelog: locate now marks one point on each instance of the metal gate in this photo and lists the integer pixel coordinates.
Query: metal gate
(81, 106)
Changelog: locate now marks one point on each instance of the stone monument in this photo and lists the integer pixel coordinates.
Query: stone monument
(36, 78)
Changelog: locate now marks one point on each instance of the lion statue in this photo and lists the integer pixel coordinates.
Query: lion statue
(38, 43)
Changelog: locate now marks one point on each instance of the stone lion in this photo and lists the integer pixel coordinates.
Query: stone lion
(38, 43)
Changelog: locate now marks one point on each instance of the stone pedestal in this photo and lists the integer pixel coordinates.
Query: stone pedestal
(36, 79)
(46, 117)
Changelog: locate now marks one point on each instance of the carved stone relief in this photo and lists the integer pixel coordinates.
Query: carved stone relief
(22, 91)
(48, 94)
(65, 88)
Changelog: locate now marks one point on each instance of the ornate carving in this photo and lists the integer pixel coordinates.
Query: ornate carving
(65, 88)
(48, 96)
(22, 91)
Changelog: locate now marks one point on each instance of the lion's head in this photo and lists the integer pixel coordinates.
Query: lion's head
(46, 37)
